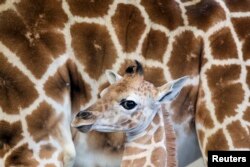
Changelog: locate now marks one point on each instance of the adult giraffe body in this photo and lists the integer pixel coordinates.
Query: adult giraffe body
(53, 55)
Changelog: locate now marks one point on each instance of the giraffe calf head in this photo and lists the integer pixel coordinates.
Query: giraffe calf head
(129, 104)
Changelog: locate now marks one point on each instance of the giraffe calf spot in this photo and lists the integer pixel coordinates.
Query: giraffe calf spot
(157, 155)
(159, 134)
(138, 162)
(50, 165)
(133, 151)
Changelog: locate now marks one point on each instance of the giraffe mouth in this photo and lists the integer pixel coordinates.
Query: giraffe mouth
(84, 128)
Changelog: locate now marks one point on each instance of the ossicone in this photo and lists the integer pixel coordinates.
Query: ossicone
(135, 69)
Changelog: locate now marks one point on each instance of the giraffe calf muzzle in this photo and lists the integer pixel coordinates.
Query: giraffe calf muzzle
(83, 121)
(84, 128)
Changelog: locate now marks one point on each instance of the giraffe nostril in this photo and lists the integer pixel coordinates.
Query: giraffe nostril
(85, 115)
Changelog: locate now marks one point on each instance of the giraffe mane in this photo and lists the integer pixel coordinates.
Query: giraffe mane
(138, 69)
(170, 141)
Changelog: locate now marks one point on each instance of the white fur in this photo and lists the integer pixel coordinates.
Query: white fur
(90, 158)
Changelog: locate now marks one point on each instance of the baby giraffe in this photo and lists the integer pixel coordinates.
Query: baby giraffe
(133, 106)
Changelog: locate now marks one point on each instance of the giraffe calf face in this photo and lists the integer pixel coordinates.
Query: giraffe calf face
(119, 109)
(129, 104)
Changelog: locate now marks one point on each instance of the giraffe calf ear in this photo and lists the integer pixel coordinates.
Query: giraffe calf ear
(103, 92)
(112, 76)
(169, 91)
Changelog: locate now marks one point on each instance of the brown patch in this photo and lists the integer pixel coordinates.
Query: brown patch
(246, 48)
(10, 135)
(217, 142)
(60, 156)
(184, 105)
(139, 162)
(238, 6)
(129, 26)
(57, 85)
(93, 47)
(156, 119)
(46, 151)
(109, 143)
(205, 14)
(223, 45)
(50, 165)
(22, 156)
(126, 163)
(2, 1)
(135, 162)
(16, 90)
(240, 137)
(43, 122)
(201, 136)
(164, 12)
(47, 14)
(241, 26)
(154, 45)
(248, 76)
(80, 91)
(246, 115)
(158, 157)
(225, 95)
(86, 8)
(158, 136)
(203, 116)
(33, 34)
(146, 139)
(185, 57)
(154, 75)
(132, 151)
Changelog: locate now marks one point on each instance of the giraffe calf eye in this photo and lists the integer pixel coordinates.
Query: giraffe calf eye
(128, 104)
